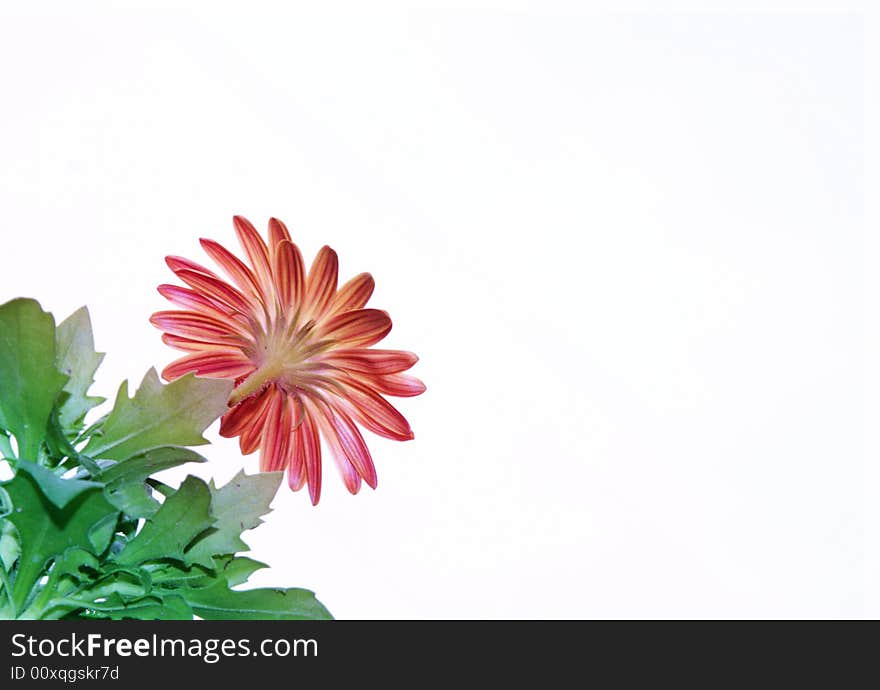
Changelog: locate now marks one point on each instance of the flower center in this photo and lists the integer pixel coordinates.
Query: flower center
(283, 356)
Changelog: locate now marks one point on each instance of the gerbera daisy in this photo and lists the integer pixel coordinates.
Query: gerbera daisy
(299, 351)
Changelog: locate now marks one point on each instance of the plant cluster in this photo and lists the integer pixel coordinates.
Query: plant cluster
(86, 528)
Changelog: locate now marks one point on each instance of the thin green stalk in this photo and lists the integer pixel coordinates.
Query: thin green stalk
(7, 587)
(6, 448)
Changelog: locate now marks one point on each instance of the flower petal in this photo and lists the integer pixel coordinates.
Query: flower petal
(195, 301)
(241, 274)
(369, 361)
(277, 233)
(252, 433)
(216, 289)
(350, 476)
(179, 263)
(346, 441)
(375, 413)
(398, 385)
(296, 469)
(275, 443)
(233, 422)
(321, 284)
(354, 294)
(289, 272)
(184, 297)
(310, 452)
(256, 250)
(222, 364)
(360, 327)
(190, 324)
(296, 466)
(187, 344)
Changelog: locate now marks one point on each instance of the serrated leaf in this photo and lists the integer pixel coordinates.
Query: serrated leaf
(29, 381)
(218, 602)
(236, 507)
(46, 531)
(175, 576)
(76, 358)
(170, 607)
(59, 491)
(126, 488)
(182, 517)
(234, 569)
(158, 415)
(237, 569)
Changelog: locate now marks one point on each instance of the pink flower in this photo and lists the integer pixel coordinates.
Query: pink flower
(299, 350)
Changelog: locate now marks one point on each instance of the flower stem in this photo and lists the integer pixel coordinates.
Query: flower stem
(255, 382)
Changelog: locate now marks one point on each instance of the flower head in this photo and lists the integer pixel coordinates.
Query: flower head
(299, 350)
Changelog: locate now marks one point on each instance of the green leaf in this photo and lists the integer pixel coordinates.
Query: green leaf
(172, 575)
(102, 532)
(236, 507)
(158, 415)
(237, 570)
(126, 488)
(29, 382)
(76, 357)
(170, 607)
(71, 563)
(218, 602)
(46, 531)
(182, 517)
(133, 499)
(59, 447)
(128, 583)
(64, 577)
(59, 491)
(234, 569)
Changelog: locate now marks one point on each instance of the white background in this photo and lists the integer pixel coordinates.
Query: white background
(629, 250)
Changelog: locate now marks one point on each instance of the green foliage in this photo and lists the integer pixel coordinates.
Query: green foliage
(46, 531)
(86, 531)
(126, 488)
(76, 358)
(59, 491)
(9, 547)
(237, 506)
(158, 415)
(218, 602)
(183, 516)
(237, 569)
(29, 381)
